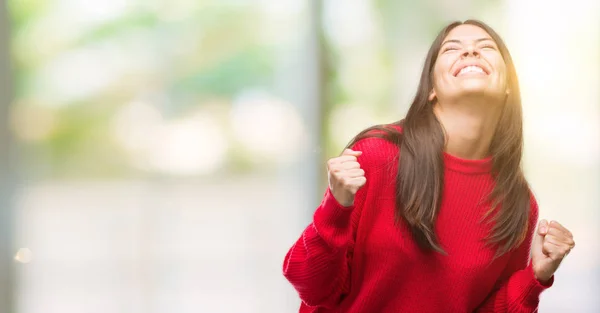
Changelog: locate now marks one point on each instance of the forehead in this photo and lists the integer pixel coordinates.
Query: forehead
(467, 32)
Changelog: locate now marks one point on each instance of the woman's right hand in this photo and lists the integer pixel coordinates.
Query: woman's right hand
(345, 176)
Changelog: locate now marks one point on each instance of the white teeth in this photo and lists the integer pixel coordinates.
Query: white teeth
(471, 68)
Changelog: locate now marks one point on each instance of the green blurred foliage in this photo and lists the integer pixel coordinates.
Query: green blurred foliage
(211, 51)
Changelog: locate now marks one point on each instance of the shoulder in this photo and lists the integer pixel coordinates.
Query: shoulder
(379, 148)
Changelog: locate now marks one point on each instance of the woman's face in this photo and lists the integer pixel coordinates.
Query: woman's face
(468, 63)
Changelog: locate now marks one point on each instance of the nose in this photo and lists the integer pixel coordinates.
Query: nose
(470, 50)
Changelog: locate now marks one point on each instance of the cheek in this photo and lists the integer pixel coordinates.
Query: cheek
(436, 77)
(501, 66)
(497, 62)
(439, 81)
(502, 74)
(440, 73)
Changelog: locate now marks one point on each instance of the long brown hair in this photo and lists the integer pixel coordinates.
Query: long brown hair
(420, 178)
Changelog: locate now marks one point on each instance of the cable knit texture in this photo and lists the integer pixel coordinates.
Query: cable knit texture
(358, 260)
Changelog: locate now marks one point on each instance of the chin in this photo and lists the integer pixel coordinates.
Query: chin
(473, 91)
(474, 84)
(475, 87)
(479, 93)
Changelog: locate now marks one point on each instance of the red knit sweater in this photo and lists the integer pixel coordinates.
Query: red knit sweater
(357, 260)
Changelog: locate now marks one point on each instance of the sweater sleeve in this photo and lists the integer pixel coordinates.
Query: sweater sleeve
(318, 264)
(518, 290)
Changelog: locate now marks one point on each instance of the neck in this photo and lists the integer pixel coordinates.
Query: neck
(469, 127)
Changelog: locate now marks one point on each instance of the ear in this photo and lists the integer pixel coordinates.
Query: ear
(431, 95)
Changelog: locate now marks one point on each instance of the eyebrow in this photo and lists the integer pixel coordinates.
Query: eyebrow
(458, 41)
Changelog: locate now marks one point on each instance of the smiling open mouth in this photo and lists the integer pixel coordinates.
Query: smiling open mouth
(471, 69)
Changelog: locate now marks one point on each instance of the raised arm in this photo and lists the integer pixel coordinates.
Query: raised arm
(523, 280)
(318, 263)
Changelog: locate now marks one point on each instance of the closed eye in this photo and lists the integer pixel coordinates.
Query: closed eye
(450, 49)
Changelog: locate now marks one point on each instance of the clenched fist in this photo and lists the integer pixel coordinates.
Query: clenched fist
(345, 176)
(551, 244)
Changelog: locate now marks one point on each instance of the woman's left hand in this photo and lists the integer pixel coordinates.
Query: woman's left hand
(551, 243)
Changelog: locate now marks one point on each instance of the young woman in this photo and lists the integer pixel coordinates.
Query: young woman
(433, 213)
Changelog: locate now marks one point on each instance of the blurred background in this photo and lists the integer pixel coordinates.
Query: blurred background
(162, 156)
